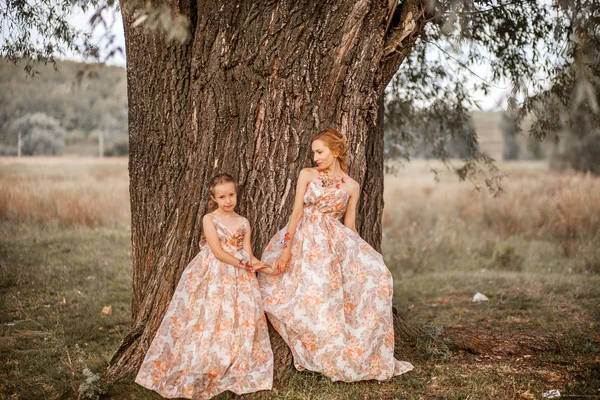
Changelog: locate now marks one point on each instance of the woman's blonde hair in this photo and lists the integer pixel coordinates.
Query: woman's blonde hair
(217, 180)
(337, 142)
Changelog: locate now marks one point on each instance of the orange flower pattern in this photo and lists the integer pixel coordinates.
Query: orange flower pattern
(333, 304)
(214, 335)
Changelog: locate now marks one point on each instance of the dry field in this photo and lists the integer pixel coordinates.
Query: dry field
(64, 191)
(534, 252)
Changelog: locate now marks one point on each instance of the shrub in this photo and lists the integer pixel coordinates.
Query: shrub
(506, 258)
(8, 150)
(119, 147)
(75, 137)
(40, 141)
(40, 133)
(579, 151)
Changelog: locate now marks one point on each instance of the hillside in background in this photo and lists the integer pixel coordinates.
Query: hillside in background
(85, 99)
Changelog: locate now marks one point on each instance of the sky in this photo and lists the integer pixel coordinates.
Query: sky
(81, 21)
(494, 101)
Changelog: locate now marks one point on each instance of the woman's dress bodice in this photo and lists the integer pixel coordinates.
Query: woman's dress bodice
(320, 201)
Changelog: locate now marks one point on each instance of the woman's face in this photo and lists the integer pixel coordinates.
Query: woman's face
(322, 155)
(225, 196)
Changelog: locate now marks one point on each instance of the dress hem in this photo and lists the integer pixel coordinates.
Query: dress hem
(196, 397)
(301, 368)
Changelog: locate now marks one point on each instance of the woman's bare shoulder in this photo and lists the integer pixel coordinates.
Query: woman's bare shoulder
(309, 174)
(353, 186)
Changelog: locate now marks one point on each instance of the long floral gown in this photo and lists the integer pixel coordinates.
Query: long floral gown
(213, 336)
(333, 304)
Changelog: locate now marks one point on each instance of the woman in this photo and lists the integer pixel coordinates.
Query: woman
(333, 303)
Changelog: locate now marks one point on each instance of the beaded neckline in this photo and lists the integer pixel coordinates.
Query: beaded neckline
(328, 182)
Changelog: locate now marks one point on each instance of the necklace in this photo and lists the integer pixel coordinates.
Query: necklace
(328, 182)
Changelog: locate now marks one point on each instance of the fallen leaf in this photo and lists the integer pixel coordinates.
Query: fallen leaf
(527, 395)
(107, 310)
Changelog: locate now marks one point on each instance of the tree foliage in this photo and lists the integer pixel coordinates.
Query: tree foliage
(39, 31)
(568, 112)
(548, 52)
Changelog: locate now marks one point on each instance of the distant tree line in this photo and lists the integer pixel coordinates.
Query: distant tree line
(80, 102)
(575, 147)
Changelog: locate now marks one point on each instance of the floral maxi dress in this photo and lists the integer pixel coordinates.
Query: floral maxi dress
(333, 304)
(213, 336)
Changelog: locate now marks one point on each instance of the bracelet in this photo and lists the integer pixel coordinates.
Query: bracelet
(247, 265)
(285, 240)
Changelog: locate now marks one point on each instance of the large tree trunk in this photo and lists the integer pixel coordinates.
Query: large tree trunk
(245, 95)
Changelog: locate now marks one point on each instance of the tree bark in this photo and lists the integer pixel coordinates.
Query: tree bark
(370, 208)
(256, 81)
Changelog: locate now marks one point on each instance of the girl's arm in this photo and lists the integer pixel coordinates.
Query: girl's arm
(247, 242)
(259, 266)
(210, 233)
(350, 216)
(306, 175)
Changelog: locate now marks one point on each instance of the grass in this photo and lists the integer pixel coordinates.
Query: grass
(533, 252)
(74, 192)
(54, 285)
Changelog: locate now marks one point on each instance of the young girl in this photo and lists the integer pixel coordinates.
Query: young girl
(214, 336)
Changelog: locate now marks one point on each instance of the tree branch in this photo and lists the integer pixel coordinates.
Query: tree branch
(410, 13)
(485, 11)
(460, 63)
(401, 37)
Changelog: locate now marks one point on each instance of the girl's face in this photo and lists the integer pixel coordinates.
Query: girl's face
(225, 196)
(322, 155)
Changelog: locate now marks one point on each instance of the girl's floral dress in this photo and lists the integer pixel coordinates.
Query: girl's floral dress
(213, 336)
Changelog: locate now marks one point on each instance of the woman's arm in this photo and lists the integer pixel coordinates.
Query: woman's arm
(350, 216)
(210, 233)
(306, 175)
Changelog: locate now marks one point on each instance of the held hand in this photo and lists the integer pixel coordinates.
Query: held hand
(269, 271)
(263, 267)
(283, 261)
(259, 266)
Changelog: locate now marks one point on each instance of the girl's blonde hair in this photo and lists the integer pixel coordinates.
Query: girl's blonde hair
(217, 180)
(337, 142)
